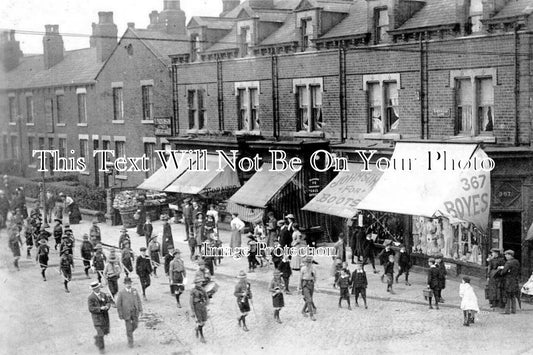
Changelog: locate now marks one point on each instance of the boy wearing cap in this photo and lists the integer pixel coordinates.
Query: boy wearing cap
(112, 273)
(98, 261)
(66, 264)
(129, 308)
(95, 233)
(99, 304)
(276, 288)
(168, 240)
(286, 272)
(307, 284)
(198, 302)
(127, 258)
(143, 268)
(58, 232)
(243, 293)
(344, 284)
(124, 237)
(433, 283)
(86, 254)
(177, 274)
(154, 248)
(359, 283)
(404, 265)
(42, 257)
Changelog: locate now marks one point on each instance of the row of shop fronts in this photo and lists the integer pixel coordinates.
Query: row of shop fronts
(419, 194)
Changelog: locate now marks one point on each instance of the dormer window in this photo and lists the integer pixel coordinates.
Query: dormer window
(306, 29)
(245, 33)
(475, 14)
(195, 47)
(381, 25)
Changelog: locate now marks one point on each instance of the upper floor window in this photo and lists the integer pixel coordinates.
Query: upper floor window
(195, 47)
(248, 105)
(149, 149)
(381, 24)
(14, 147)
(12, 109)
(62, 147)
(244, 41)
(82, 108)
(31, 147)
(195, 101)
(118, 104)
(306, 29)
(147, 97)
(59, 108)
(84, 148)
(474, 106)
(29, 109)
(120, 149)
(5, 146)
(383, 103)
(309, 105)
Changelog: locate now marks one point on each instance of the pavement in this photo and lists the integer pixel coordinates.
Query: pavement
(37, 316)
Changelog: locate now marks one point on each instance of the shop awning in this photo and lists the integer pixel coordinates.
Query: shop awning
(162, 178)
(435, 185)
(344, 192)
(209, 179)
(247, 214)
(262, 187)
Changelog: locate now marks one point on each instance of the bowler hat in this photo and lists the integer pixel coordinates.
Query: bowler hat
(42, 241)
(242, 275)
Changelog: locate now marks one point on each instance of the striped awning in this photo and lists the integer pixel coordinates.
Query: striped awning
(247, 214)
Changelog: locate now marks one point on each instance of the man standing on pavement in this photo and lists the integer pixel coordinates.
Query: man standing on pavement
(285, 236)
(129, 308)
(511, 274)
(307, 284)
(188, 219)
(434, 282)
(404, 265)
(148, 230)
(168, 241)
(99, 304)
(143, 268)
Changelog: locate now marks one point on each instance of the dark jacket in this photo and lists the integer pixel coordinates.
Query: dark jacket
(86, 250)
(167, 238)
(168, 259)
(511, 275)
(129, 304)
(100, 317)
(99, 260)
(434, 275)
(384, 256)
(344, 282)
(285, 268)
(368, 248)
(143, 266)
(442, 275)
(404, 261)
(389, 268)
(285, 237)
(359, 279)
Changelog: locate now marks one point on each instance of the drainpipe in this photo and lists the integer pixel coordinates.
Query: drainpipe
(516, 86)
(421, 98)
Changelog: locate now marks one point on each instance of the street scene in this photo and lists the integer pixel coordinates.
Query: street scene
(266, 176)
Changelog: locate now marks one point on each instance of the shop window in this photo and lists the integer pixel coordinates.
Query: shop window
(309, 99)
(248, 105)
(12, 109)
(59, 109)
(31, 147)
(82, 108)
(29, 109)
(381, 24)
(147, 103)
(485, 106)
(196, 108)
(118, 104)
(459, 241)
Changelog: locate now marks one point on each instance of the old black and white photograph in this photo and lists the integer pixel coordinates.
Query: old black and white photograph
(266, 177)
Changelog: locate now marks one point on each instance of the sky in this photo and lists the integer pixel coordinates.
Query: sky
(76, 17)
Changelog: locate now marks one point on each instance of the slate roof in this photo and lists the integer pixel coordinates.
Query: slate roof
(77, 67)
(219, 23)
(272, 16)
(227, 42)
(285, 34)
(278, 5)
(434, 13)
(354, 24)
(515, 8)
(163, 44)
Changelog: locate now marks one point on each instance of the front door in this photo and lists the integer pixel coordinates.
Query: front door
(512, 232)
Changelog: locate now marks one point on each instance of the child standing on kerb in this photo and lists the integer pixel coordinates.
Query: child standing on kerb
(469, 304)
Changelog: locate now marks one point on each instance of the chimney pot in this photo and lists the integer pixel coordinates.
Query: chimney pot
(53, 49)
(131, 25)
(105, 17)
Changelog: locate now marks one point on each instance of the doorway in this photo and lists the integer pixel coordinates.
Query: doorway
(511, 232)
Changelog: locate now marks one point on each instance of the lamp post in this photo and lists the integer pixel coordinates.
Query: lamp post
(42, 187)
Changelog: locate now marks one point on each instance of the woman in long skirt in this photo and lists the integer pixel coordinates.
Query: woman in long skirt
(237, 226)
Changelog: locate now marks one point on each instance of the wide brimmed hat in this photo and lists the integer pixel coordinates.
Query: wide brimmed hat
(58, 221)
(95, 221)
(123, 229)
(198, 279)
(127, 280)
(290, 215)
(200, 213)
(431, 260)
(95, 284)
(187, 199)
(42, 241)
(280, 223)
(495, 250)
(113, 257)
(242, 275)
(509, 252)
(98, 246)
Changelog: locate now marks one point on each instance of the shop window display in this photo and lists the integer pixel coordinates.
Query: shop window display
(458, 241)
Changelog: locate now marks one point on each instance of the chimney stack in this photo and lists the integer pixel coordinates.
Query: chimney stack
(104, 35)
(131, 25)
(172, 18)
(53, 47)
(228, 5)
(9, 50)
(154, 21)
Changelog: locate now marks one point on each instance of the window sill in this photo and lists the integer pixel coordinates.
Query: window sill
(82, 124)
(117, 121)
(85, 173)
(305, 134)
(30, 124)
(381, 136)
(121, 177)
(197, 131)
(477, 139)
(12, 123)
(60, 124)
(247, 133)
(147, 121)
(33, 166)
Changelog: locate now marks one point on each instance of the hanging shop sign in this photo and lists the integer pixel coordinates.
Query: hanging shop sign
(163, 126)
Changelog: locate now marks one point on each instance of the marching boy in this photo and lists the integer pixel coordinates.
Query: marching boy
(344, 284)
(359, 283)
(389, 272)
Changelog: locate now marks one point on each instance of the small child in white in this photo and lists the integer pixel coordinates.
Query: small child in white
(469, 303)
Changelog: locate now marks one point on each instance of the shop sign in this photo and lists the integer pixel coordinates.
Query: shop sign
(441, 113)
(163, 126)
(507, 194)
(313, 187)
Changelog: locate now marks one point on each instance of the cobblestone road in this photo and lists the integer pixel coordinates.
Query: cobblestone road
(38, 317)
